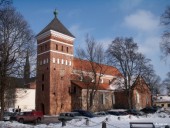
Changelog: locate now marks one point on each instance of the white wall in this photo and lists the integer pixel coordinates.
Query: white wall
(25, 99)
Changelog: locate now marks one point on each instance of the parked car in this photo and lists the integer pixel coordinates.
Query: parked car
(122, 113)
(67, 116)
(85, 113)
(13, 116)
(31, 116)
(134, 112)
(7, 116)
(98, 114)
(115, 113)
(149, 110)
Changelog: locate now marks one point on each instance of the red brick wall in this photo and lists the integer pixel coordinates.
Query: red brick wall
(55, 97)
(143, 99)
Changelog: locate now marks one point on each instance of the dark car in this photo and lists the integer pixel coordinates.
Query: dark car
(85, 113)
(115, 113)
(149, 110)
(123, 113)
(99, 114)
(134, 112)
(67, 116)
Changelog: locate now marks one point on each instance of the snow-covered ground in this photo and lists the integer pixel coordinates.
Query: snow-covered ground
(159, 120)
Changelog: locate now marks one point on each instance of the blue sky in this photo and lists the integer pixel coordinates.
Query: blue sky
(104, 20)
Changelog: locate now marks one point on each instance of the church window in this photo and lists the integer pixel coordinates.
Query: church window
(41, 48)
(62, 61)
(53, 60)
(147, 101)
(45, 46)
(56, 46)
(40, 62)
(137, 97)
(44, 61)
(47, 60)
(67, 49)
(70, 63)
(113, 99)
(62, 48)
(66, 62)
(58, 61)
(102, 98)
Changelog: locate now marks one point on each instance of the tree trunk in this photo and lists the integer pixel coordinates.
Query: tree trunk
(129, 99)
(2, 100)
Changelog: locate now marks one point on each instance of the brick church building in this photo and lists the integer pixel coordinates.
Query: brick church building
(56, 74)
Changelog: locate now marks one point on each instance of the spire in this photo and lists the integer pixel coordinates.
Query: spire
(55, 13)
(27, 69)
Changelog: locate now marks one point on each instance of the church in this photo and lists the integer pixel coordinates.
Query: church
(58, 85)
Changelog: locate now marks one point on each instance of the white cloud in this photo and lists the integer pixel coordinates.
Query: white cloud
(142, 20)
(150, 46)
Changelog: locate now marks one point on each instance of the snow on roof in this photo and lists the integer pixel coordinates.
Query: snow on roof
(162, 98)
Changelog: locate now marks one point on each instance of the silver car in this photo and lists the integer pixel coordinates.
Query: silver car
(7, 116)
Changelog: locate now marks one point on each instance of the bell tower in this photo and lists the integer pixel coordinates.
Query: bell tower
(54, 67)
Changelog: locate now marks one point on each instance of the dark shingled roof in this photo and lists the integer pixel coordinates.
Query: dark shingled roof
(56, 25)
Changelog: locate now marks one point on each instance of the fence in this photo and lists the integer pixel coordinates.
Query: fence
(105, 124)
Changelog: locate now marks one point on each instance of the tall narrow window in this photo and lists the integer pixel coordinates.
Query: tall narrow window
(66, 62)
(138, 97)
(42, 77)
(53, 60)
(58, 61)
(62, 61)
(45, 46)
(67, 49)
(147, 100)
(62, 48)
(103, 98)
(56, 46)
(41, 48)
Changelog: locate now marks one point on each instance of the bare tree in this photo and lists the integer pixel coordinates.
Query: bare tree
(15, 36)
(165, 21)
(92, 73)
(151, 79)
(123, 54)
(5, 2)
(166, 82)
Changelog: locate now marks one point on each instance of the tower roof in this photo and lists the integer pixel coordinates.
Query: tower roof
(56, 25)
